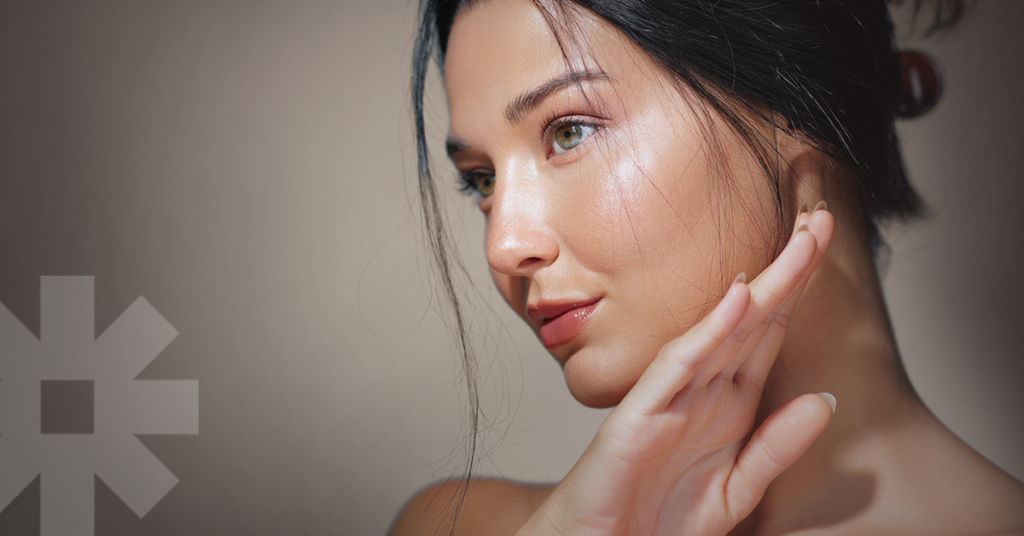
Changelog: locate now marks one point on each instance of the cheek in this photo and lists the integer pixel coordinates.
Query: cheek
(652, 231)
(650, 222)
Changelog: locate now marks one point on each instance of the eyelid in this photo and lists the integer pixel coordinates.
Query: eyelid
(558, 122)
(466, 185)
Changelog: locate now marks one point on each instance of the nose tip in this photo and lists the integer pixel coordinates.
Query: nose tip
(518, 248)
(520, 240)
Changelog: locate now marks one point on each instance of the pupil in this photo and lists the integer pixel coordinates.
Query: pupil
(567, 134)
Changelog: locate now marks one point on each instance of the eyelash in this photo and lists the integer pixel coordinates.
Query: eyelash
(555, 122)
(467, 184)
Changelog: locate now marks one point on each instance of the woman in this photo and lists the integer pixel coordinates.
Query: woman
(635, 162)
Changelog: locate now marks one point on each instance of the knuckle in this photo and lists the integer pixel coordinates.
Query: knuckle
(718, 336)
(687, 362)
(741, 334)
(744, 378)
(699, 384)
(782, 319)
(772, 455)
(774, 296)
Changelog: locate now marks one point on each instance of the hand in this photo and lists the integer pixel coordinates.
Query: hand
(673, 458)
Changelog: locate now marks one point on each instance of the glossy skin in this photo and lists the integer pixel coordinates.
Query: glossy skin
(633, 215)
(711, 379)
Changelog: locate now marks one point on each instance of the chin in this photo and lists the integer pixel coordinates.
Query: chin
(598, 381)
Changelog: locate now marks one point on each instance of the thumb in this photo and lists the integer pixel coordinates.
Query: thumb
(780, 440)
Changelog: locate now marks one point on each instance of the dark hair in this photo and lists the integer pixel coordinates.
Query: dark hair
(827, 69)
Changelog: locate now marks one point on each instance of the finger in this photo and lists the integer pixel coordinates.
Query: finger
(677, 361)
(745, 338)
(756, 366)
(767, 338)
(771, 288)
(783, 437)
(821, 223)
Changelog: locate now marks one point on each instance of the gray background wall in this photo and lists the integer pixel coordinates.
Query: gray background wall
(246, 167)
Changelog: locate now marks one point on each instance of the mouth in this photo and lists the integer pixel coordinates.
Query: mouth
(560, 323)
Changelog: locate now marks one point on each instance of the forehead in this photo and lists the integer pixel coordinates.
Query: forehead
(499, 49)
(496, 50)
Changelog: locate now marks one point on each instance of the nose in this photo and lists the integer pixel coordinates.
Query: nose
(520, 240)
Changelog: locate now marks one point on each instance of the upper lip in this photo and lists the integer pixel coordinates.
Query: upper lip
(547, 310)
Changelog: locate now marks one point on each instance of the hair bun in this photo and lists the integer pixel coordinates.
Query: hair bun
(922, 83)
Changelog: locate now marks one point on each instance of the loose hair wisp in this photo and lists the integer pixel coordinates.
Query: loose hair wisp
(825, 69)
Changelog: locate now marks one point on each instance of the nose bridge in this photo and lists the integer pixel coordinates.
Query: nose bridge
(519, 238)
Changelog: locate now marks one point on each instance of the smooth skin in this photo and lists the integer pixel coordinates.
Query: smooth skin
(718, 428)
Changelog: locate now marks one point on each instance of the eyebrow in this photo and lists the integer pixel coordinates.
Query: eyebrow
(526, 102)
(454, 144)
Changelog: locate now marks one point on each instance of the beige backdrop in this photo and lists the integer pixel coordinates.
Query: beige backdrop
(246, 166)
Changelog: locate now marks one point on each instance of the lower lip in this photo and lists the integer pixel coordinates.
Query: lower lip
(563, 328)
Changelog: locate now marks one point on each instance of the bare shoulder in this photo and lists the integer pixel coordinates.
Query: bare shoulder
(993, 497)
(492, 506)
(955, 490)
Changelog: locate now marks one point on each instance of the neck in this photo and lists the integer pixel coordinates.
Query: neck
(839, 341)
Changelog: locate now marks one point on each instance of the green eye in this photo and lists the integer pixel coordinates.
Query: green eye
(569, 135)
(483, 183)
(479, 184)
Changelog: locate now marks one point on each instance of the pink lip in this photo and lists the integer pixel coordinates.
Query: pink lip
(560, 323)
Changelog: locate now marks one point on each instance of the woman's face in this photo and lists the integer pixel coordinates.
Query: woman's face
(609, 228)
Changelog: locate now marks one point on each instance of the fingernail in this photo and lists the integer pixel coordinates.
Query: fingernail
(742, 278)
(822, 205)
(802, 227)
(801, 210)
(830, 399)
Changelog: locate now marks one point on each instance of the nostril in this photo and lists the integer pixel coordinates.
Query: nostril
(526, 263)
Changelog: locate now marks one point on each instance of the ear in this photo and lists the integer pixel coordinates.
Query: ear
(806, 175)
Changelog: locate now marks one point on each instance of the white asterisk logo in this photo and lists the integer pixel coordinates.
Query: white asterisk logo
(70, 406)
